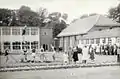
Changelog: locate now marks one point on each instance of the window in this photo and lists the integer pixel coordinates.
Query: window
(34, 44)
(6, 31)
(27, 31)
(26, 45)
(109, 40)
(0, 31)
(34, 31)
(15, 31)
(92, 41)
(45, 46)
(82, 41)
(6, 45)
(97, 40)
(87, 41)
(104, 40)
(118, 40)
(16, 45)
(44, 33)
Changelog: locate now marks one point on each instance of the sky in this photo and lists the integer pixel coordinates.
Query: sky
(74, 8)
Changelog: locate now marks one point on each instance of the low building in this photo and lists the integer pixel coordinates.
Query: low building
(11, 37)
(96, 29)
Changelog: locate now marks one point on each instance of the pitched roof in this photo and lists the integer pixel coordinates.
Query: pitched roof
(115, 32)
(82, 26)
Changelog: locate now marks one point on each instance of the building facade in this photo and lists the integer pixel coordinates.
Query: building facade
(93, 30)
(11, 37)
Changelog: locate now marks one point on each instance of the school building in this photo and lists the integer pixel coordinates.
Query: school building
(11, 37)
(96, 29)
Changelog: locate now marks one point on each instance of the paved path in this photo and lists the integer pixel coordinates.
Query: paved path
(75, 73)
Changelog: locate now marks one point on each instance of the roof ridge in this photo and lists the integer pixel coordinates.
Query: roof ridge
(97, 19)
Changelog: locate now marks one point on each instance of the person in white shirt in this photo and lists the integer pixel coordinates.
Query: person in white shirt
(85, 55)
(65, 57)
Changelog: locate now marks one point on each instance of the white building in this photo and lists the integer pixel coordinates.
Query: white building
(95, 29)
(11, 37)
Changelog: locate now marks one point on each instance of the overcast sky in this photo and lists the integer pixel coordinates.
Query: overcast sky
(74, 8)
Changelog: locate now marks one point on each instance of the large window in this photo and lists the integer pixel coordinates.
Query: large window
(82, 41)
(15, 31)
(109, 40)
(104, 40)
(6, 45)
(26, 45)
(92, 41)
(6, 31)
(87, 41)
(34, 31)
(27, 31)
(16, 45)
(34, 44)
(97, 40)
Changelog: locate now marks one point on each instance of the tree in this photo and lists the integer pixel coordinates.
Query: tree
(5, 15)
(114, 13)
(57, 22)
(28, 17)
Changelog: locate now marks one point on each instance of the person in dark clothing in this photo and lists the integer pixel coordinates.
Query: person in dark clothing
(75, 55)
(111, 50)
(91, 52)
(6, 54)
(79, 50)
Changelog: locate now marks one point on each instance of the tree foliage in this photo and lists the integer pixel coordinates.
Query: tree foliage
(114, 13)
(28, 17)
(5, 15)
(58, 22)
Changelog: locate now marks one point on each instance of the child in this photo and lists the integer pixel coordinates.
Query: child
(65, 57)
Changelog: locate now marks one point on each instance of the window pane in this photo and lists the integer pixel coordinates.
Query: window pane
(6, 45)
(87, 41)
(6, 31)
(34, 44)
(97, 40)
(92, 41)
(15, 31)
(34, 31)
(26, 45)
(16, 45)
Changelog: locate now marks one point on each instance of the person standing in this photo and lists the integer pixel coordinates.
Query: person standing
(25, 55)
(115, 49)
(98, 49)
(65, 57)
(91, 52)
(85, 54)
(75, 55)
(70, 54)
(118, 54)
(6, 54)
(33, 54)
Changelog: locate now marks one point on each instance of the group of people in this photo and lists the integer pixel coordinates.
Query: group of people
(79, 54)
(87, 52)
(74, 54)
(107, 49)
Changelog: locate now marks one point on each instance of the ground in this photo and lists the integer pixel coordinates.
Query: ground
(15, 59)
(112, 72)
